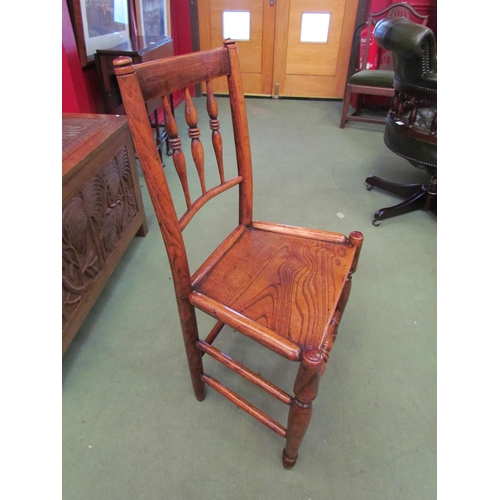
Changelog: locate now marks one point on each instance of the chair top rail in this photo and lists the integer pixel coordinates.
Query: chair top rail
(403, 5)
(164, 76)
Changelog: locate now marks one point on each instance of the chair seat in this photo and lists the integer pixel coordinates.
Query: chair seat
(288, 284)
(373, 78)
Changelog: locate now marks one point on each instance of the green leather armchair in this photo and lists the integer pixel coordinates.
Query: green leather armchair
(372, 82)
(411, 123)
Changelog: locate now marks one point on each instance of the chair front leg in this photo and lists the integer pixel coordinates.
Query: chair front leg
(305, 390)
(359, 104)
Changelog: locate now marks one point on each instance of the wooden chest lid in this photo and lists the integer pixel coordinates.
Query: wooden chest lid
(84, 135)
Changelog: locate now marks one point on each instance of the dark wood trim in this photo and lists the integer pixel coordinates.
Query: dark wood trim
(195, 34)
(195, 26)
(76, 20)
(361, 17)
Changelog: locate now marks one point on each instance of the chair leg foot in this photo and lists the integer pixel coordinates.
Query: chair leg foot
(288, 463)
(196, 371)
(200, 392)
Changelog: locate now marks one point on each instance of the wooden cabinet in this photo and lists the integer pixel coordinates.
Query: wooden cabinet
(102, 209)
(141, 49)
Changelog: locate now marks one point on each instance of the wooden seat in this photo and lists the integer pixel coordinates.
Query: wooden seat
(372, 82)
(283, 286)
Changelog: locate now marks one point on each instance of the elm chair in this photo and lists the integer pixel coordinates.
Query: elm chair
(285, 287)
(411, 123)
(372, 82)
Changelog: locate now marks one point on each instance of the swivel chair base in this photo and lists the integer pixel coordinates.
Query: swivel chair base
(419, 197)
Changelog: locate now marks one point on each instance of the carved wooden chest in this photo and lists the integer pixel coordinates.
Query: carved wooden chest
(102, 209)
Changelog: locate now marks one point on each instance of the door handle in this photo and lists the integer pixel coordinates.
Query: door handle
(271, 3)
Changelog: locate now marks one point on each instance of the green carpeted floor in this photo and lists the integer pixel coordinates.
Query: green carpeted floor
(132, 428)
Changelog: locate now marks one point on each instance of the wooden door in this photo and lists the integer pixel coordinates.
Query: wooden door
(279, 56)
(256, 54)
(313, 64)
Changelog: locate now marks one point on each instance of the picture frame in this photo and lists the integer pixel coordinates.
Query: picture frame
(153, 17)
(98, 24)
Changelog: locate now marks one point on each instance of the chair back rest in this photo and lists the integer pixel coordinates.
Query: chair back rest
(401, 9)
(140, 83)
(414, 52)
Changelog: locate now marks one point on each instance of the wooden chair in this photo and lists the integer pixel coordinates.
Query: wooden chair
(284, 287)
(374, 82)
(411, 128)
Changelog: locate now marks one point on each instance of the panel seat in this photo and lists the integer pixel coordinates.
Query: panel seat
(380, 78)
(285, 283)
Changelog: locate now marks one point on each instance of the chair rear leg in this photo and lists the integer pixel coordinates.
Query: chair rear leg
(189, 328)
(305, 389)
(345, 107)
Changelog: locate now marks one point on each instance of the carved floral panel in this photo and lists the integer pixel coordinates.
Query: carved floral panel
(92, 225)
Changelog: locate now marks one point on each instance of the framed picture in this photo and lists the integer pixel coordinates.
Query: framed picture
(152, 17)
(99, 24)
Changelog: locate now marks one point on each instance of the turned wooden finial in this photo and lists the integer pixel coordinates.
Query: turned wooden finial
(123, 65)
(356, 239)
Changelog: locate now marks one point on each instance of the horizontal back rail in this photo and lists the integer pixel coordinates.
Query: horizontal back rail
(397, 9)
(162, 77)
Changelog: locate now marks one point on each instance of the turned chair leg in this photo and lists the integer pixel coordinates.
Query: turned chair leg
(189, 328)
(305, 389)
